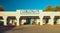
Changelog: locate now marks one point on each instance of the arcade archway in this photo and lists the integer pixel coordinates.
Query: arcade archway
(57, 20)
(46, 19)
(11, 20)
(28, 20)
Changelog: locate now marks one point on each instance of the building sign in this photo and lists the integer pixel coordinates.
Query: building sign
(29, 12)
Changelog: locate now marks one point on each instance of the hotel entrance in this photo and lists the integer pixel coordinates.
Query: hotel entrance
(46, 20)
(28, 20)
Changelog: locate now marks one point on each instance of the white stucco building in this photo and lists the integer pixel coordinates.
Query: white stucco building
(20, 17)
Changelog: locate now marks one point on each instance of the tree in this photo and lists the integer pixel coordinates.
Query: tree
(48, 8)
(1, 8)
(57, 8)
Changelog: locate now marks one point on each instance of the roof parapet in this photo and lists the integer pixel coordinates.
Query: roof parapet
(40, 11)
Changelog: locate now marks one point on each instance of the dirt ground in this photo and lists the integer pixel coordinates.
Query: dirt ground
(31, 29)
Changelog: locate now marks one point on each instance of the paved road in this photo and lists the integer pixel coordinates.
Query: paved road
(33, 29)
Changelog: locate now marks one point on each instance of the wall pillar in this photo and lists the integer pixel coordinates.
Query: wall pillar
(41, 20)
(17, 22)
(5, 20)
(52, 20)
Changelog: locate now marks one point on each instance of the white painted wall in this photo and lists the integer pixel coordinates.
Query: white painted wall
(40, 13)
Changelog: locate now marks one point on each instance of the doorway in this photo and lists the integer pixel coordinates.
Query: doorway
(46, 19)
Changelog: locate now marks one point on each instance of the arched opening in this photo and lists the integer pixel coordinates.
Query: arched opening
(46, 19)
(11, 20)
(57, 20)
(1, 21)
(28, 20)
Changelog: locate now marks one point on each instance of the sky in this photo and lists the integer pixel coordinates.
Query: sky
(27, 4)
